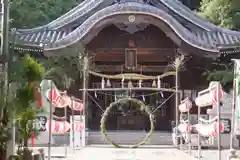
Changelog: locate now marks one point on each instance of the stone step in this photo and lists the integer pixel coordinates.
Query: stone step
(131, 137)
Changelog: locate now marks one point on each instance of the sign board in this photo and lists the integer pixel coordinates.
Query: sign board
(40, 123)
(121, 94)
(227, 125)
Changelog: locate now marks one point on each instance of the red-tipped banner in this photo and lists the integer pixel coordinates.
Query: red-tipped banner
(185, 128)
(209, 129)
(62, 127)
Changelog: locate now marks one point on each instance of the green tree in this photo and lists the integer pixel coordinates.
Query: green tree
(65, 70)
(33, 13)
(224, 13)
(32, 72)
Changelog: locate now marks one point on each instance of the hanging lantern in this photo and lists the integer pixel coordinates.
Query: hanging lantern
(78, 127)
(185, 128)
(108, 83)
(58, 126)
(210, 98)
(63, 126)
(130, 85)
(57, 100)
(77, 106)
(214, 128)
(154, 83)
(159, 82)
(208, 130)
(66, 126)
(103, 83)
(203, 129)
(53, 96)
(185, 105)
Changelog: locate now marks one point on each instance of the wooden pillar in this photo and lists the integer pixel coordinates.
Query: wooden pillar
(176, 97)
(85, 86)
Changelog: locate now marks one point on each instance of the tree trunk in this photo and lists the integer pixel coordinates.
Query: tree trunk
(25, 142)
(2, 152)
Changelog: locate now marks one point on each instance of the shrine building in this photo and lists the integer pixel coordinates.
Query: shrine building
(140, 37)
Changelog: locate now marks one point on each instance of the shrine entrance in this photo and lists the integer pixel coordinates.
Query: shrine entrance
(116, 50)
(127, 117)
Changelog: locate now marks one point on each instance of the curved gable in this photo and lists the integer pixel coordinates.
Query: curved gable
(77, 23)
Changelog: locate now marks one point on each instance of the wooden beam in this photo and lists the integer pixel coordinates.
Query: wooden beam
(143, 54)
(121, 68)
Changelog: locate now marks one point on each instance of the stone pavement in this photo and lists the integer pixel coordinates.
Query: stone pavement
(211, 154)
(109, 153)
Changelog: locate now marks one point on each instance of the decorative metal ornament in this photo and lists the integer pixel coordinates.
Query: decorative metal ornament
(131, 18)
(131, 43)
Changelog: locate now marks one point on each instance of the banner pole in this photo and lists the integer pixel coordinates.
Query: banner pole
(189, 132)
(50, 124)
(65, 133)
(219, 119)
(72, 126)
(233, 106)
(199, 138)
(176, 105)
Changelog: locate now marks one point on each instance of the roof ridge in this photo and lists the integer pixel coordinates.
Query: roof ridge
(188, 14)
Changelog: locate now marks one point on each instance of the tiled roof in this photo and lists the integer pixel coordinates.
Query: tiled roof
(197, 32)
(41, 37)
